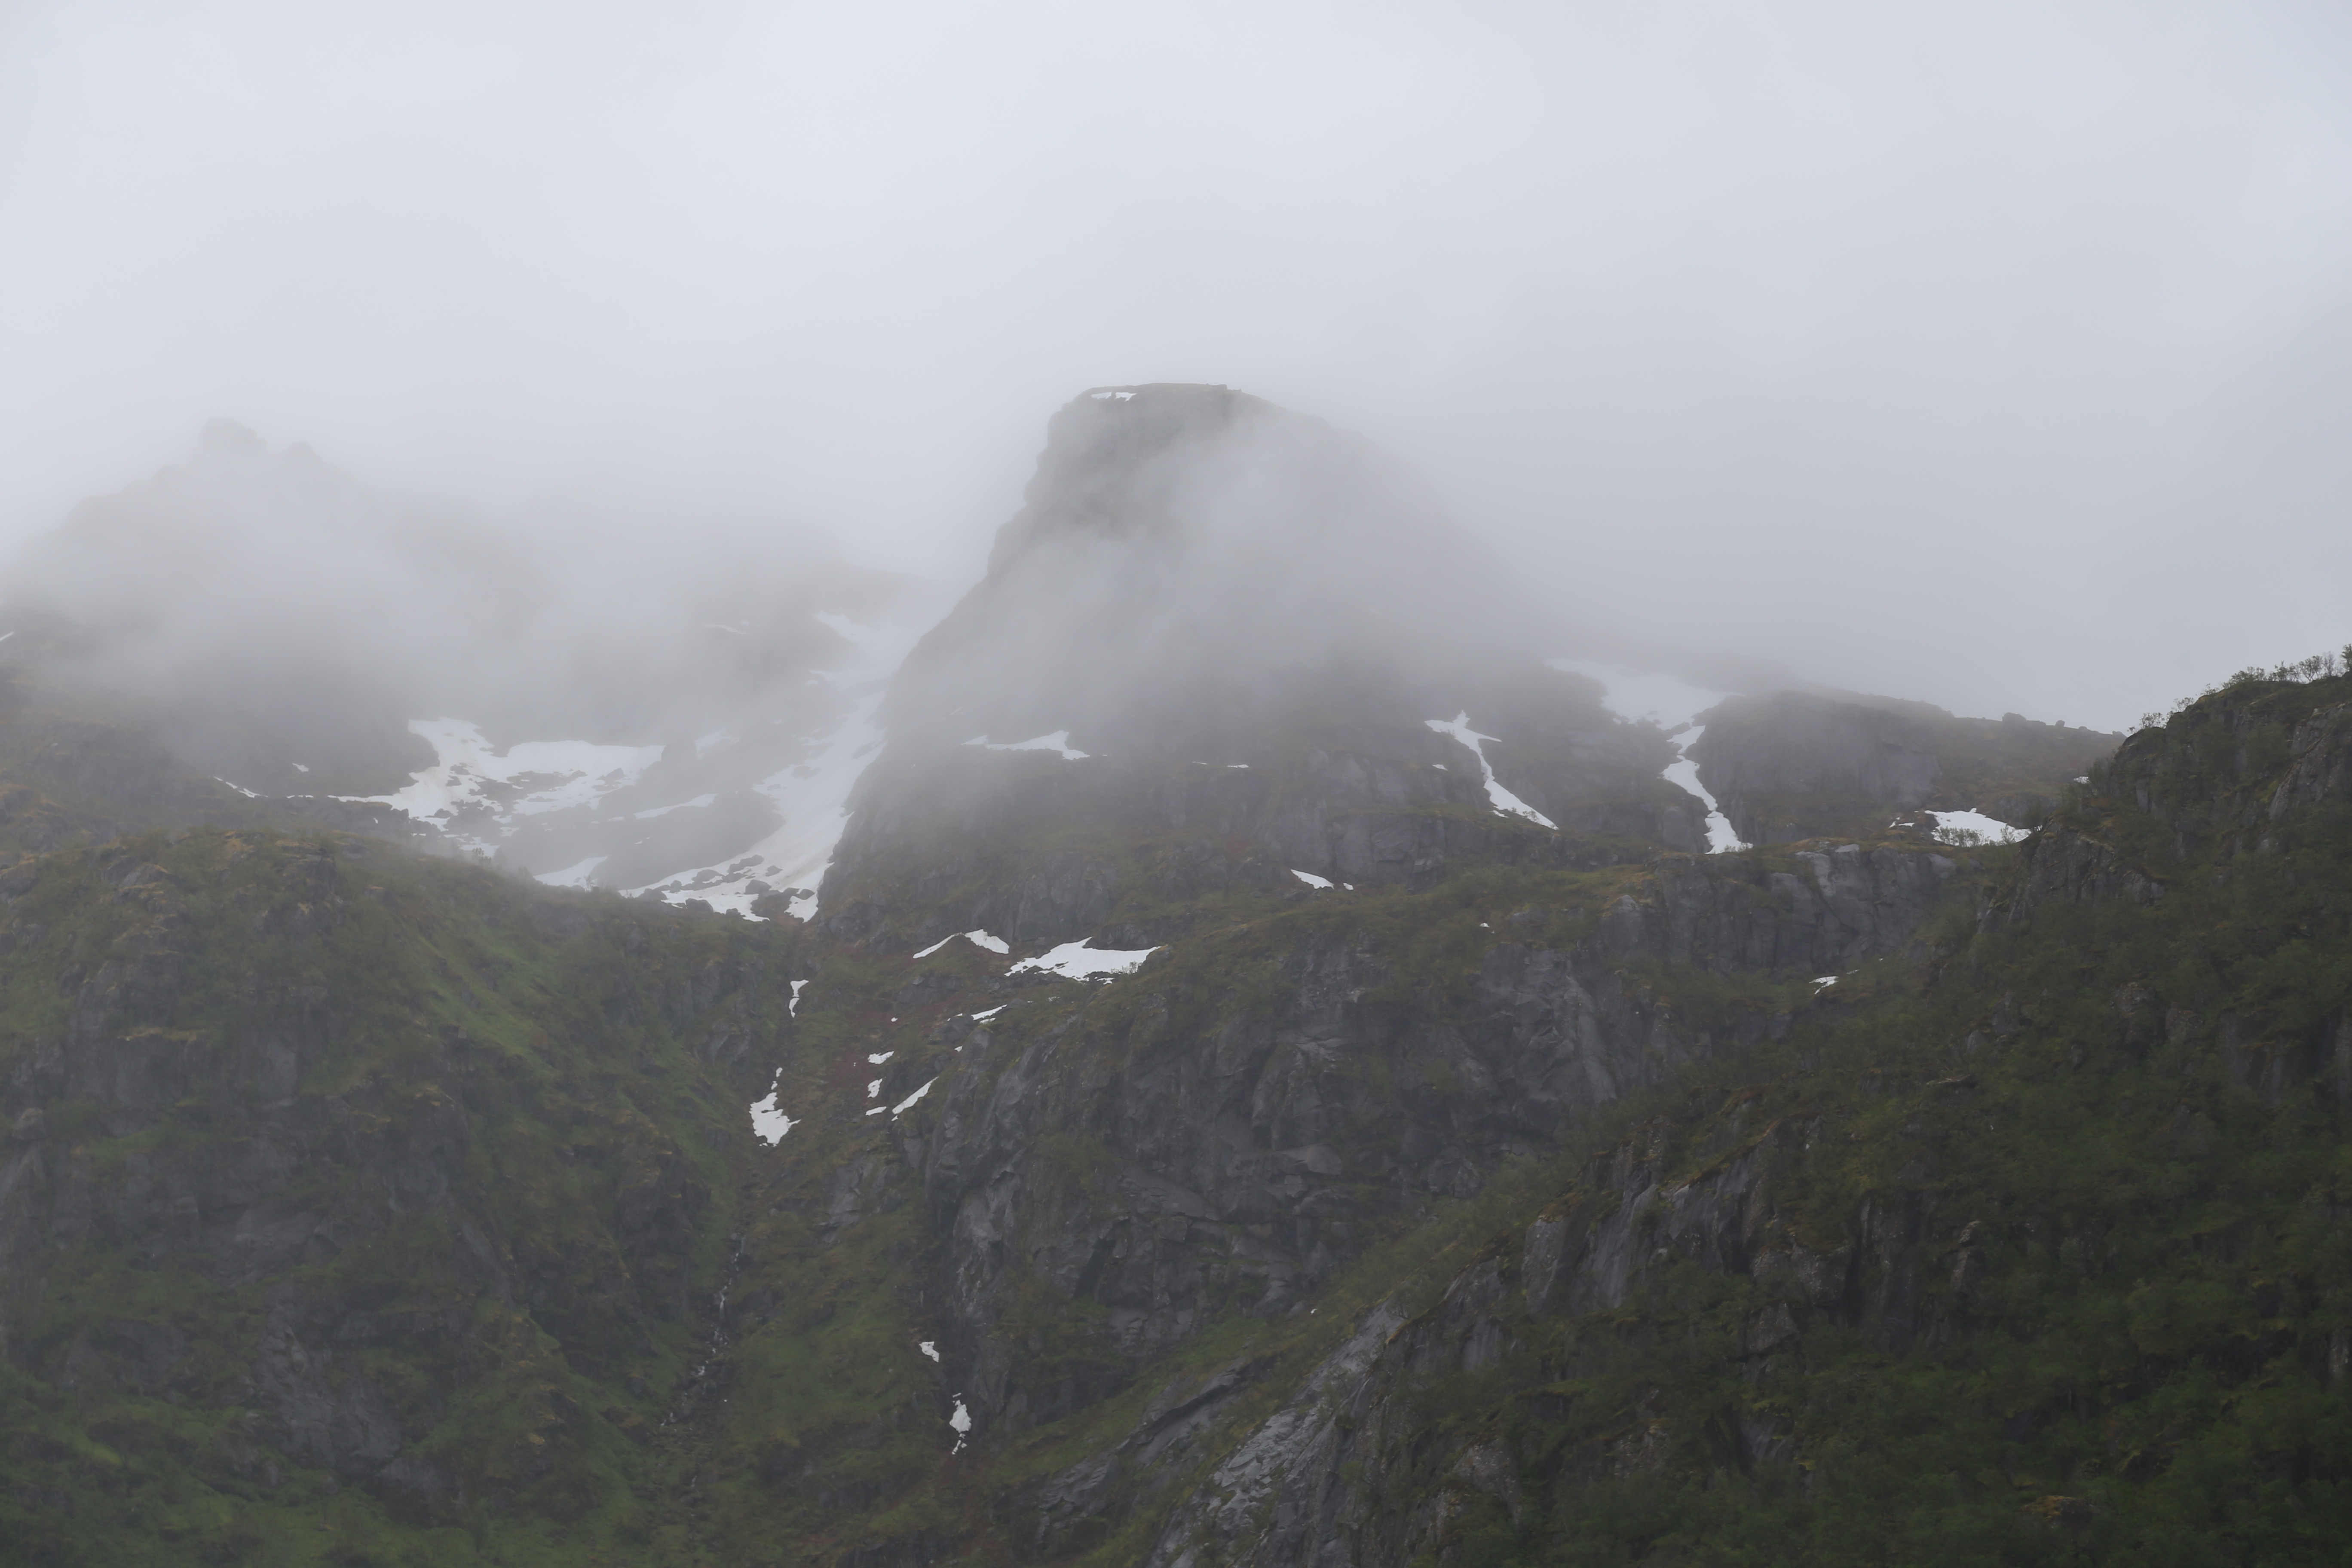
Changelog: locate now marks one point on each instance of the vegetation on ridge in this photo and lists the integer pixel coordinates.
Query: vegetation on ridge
(2082, 1179)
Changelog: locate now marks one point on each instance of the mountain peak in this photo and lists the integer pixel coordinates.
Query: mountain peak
(1114, 455)
(230, 439)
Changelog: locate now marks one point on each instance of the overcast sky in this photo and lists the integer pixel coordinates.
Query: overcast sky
(1994, 353)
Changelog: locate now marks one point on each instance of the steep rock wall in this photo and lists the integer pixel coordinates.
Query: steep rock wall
(1166, 1158)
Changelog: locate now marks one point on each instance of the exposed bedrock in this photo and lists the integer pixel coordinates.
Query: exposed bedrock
(1038, 848)
(1349, 1473)
(1209, 1150)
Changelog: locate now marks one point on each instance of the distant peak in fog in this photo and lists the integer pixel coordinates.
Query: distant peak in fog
(1116, 456)
(230, 438)
(1176, 539)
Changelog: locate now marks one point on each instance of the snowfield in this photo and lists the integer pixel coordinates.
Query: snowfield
(478, 795)
(471, 786)
(1986, 829)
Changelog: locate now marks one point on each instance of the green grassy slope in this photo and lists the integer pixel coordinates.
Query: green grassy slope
(335, 1151)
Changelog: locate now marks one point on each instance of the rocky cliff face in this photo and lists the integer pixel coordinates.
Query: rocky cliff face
(1249, 1151)
(1349, 1473)
(1903, 1227)
(1083, 1185)
(1040, 848)
(2213, 783)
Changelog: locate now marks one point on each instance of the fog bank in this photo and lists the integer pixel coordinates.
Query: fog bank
(1991, 354)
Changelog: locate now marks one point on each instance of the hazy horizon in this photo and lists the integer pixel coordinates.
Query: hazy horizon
(1990, 355)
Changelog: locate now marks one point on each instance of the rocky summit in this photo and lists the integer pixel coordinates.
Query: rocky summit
(1241, 1042)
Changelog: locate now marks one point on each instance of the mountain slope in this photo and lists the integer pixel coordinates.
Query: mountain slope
(1283, 1069)
(1374, 979)
(597, 702)
(352, 1199)
(1243, 635)
(2032, 1254)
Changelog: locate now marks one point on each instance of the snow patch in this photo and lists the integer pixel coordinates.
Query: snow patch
(1076, 961)
(1976, 827)
(875, 1061)
(812, 794)
(769, 1125)
(977, 938)
(1310, 878)
(1503, 800)
(1722, 838)
(984, 1018)
(930, 1348)
(696, 803)
(1059, 740)
(901, 1107)
(793, 1006)
(575, 876)
(962, 1422)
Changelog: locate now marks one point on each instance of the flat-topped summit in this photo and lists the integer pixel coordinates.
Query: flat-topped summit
(1114, 455)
